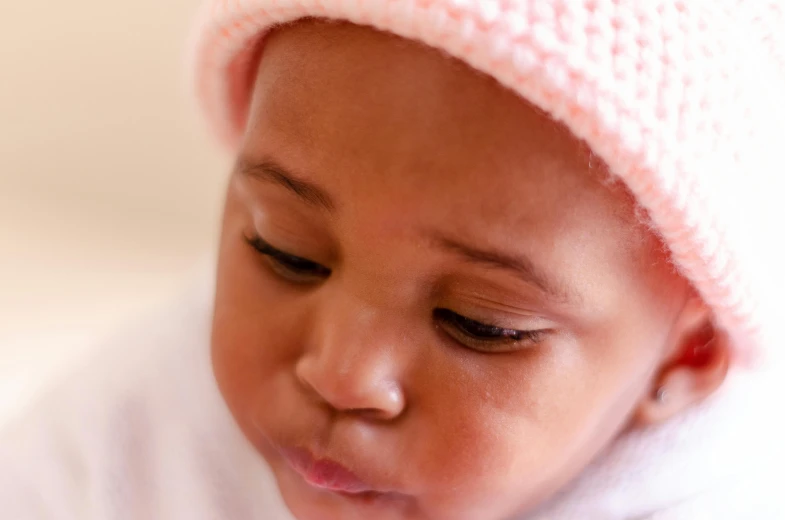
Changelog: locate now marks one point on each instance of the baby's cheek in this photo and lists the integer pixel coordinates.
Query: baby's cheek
(508, 433)
(467, 467)
(255, 333)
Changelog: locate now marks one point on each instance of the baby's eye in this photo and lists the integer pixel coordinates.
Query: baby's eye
(289, 267)
(483, 337)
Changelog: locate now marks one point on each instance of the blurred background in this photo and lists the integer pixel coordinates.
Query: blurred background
(110, 188)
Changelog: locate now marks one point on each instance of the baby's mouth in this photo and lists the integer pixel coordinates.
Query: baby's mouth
(324, 473)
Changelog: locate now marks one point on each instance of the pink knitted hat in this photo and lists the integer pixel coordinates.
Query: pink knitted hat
(683, 99)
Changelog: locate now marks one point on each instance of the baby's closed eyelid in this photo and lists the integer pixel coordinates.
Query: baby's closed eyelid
(486, 338)
(288, 266)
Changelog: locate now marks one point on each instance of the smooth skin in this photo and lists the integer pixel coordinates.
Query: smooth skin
(427, 280)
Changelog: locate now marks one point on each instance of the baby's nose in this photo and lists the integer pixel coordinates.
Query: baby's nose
(351, 387)
(352, 365)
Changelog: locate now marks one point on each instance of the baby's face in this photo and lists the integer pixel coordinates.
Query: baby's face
(429, 305)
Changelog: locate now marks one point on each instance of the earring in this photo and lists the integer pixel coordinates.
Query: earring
(662, 395)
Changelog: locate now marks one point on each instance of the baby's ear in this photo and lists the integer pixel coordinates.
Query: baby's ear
(695, 365)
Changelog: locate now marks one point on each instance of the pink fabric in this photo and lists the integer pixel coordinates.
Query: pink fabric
(682, 98)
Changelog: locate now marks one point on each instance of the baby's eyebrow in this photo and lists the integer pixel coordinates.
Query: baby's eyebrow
(269, 171)
(520, 265)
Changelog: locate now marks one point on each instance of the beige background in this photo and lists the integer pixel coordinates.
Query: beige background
(109, 185)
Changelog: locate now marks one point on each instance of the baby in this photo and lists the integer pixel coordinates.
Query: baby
(479, 260)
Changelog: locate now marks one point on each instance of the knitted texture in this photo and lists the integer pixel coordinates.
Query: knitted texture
(681, 98)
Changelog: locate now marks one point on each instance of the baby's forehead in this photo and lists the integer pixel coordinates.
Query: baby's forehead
(352, 89)
(363, 112)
